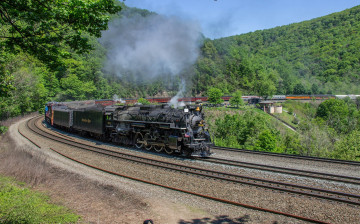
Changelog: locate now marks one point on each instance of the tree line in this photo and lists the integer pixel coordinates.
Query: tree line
(57, 56)
(331, 129)
(319, 56)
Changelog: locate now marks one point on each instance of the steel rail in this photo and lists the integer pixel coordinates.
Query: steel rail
(310, 158)
(290, 171)
(287, 187)
(196, 194)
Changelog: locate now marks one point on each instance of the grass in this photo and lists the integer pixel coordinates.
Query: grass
(18, 202)
(3, 129)
(93, 200)
(288, 118)
(21, 205)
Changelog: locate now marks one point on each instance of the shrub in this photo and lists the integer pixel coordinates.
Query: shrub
(3, 129)
(290, 111)
(348, 148)
(143, 101)
(20, 205)
(250, 130)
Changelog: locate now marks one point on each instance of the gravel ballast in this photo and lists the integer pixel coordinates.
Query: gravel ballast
(177, 205)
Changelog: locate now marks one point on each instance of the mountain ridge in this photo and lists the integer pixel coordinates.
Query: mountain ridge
(308, 57)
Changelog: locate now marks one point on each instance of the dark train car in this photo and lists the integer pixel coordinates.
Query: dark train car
(89, 119)
(62, 117)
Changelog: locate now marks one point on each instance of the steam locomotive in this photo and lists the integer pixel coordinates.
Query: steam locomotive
(151, 127)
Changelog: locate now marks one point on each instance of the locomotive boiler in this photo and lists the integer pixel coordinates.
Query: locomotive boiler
(150, 127)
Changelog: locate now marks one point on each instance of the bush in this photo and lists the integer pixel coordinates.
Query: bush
(215, 96)
(348, 148)
(290, 111)
(295, 121)
(143, 101)
(250, 130)
(20, 205)
(266, 141)
(3, 129)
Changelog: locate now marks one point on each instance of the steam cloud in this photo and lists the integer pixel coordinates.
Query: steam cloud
(150, 47)
(117, 99)
(174, 101)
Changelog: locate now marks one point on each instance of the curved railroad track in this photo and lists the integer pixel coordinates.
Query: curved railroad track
(309, 158)
(223, 176)
(284, 170)
(31, 125)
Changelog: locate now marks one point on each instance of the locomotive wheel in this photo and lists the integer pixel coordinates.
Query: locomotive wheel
(186, 153)
(148, 146)
(169, 150)
(159, 148)
(138, 141)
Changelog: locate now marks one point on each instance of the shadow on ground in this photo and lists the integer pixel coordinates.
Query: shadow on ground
(218, 220)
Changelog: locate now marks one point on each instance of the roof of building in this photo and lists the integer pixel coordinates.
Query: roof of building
(267, 102)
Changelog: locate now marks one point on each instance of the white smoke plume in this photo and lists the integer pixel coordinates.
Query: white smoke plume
(117, 99)
(150, 47)
(174, 101)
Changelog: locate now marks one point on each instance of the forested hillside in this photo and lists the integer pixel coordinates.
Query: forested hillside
(54, 56)
(312, 57)
(38, 63)
(50, 62)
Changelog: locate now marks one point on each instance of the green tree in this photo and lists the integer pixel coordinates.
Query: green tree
(348, 148)
(264, 85)
(320, 56)
(45, 28)
(143, 101)
(314, 89)
(332, 108)
(335, 113)
(357, 102)
(75, 89)
(236, 99)
(265, 88)
(214, 96)
(50, 30)
(299, 89)
(266, 142)
(6, 82)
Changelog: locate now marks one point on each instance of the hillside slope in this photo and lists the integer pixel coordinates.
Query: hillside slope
(311, 57)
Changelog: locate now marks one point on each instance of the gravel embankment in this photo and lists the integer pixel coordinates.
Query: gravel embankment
(179, 206)
(246, 157)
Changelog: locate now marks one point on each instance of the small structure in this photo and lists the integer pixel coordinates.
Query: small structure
(278, 109)
(268, 106)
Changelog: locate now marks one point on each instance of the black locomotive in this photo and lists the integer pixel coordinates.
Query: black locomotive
(152, 127)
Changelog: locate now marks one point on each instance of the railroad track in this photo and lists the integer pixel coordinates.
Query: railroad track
(283, 170)
(309, 158)
(173, 188)
(223, 176)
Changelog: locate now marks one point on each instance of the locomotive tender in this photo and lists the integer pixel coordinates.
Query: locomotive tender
(152, 127)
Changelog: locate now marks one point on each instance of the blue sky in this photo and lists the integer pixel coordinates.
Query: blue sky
(222, 18)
